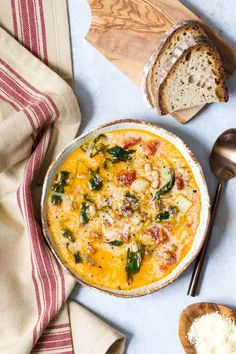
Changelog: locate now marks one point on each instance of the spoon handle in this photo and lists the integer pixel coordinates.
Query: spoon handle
(201, 257)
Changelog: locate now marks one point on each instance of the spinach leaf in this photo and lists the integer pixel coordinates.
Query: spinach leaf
(134, 261)
(56, 199)
(63, 177)
(116, 243)
(166, 214)
(68, 234)
(77, 257)
(120, 154)
(95, 182)
(168, 186)
(83, 213)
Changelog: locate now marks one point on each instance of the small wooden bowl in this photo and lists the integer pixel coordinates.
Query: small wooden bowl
(190, 313)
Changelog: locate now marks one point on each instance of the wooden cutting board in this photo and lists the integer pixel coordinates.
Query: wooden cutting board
(128, 31)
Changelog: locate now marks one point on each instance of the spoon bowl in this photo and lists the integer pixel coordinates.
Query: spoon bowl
(190, 313)
(223, 155)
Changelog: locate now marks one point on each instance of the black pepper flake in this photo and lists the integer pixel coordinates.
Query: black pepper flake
(194, 191)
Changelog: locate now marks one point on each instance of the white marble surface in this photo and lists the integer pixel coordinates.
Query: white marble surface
(105, 94)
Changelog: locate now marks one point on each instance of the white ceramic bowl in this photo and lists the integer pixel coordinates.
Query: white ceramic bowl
(198, 174)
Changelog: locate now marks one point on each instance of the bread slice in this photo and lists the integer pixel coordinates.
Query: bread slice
(172, 45)
(196, 78)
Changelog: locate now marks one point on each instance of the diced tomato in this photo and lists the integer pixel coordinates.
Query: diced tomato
(159, 234)
(170, 257)
(179, 182)
(130, 141)
(150, 147)
(125, 178)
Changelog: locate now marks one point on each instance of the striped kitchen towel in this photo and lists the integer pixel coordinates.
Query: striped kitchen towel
(39, 115)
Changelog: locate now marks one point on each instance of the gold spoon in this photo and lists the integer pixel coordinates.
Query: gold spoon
(223, 165)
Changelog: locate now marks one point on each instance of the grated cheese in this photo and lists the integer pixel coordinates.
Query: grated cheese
(213, 334)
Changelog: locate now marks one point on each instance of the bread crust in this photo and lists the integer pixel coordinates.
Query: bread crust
(222, 88)
(160, 50)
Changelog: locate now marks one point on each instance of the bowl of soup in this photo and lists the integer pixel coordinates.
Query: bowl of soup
(125, 207)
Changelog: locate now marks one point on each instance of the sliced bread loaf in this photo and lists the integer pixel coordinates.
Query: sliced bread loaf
(172, 45)
(196, 78)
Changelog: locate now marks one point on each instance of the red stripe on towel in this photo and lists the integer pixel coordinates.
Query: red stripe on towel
(29, 26)
(54, 337)
(43, 32)
(58, 326)
(14, 19)
(53, 345)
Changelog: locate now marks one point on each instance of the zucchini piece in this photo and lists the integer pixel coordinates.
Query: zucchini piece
(116, 243)
(77, 257)
(58, 188)
(97, 145)
(168, 186)
(62, 181)
(183, 203)
(88, 198)
(106, 163)
(83, 213)
(95, 182)
(68, 234)
(131, 198)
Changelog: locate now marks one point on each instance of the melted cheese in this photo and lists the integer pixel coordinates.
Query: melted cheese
(113, 218)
